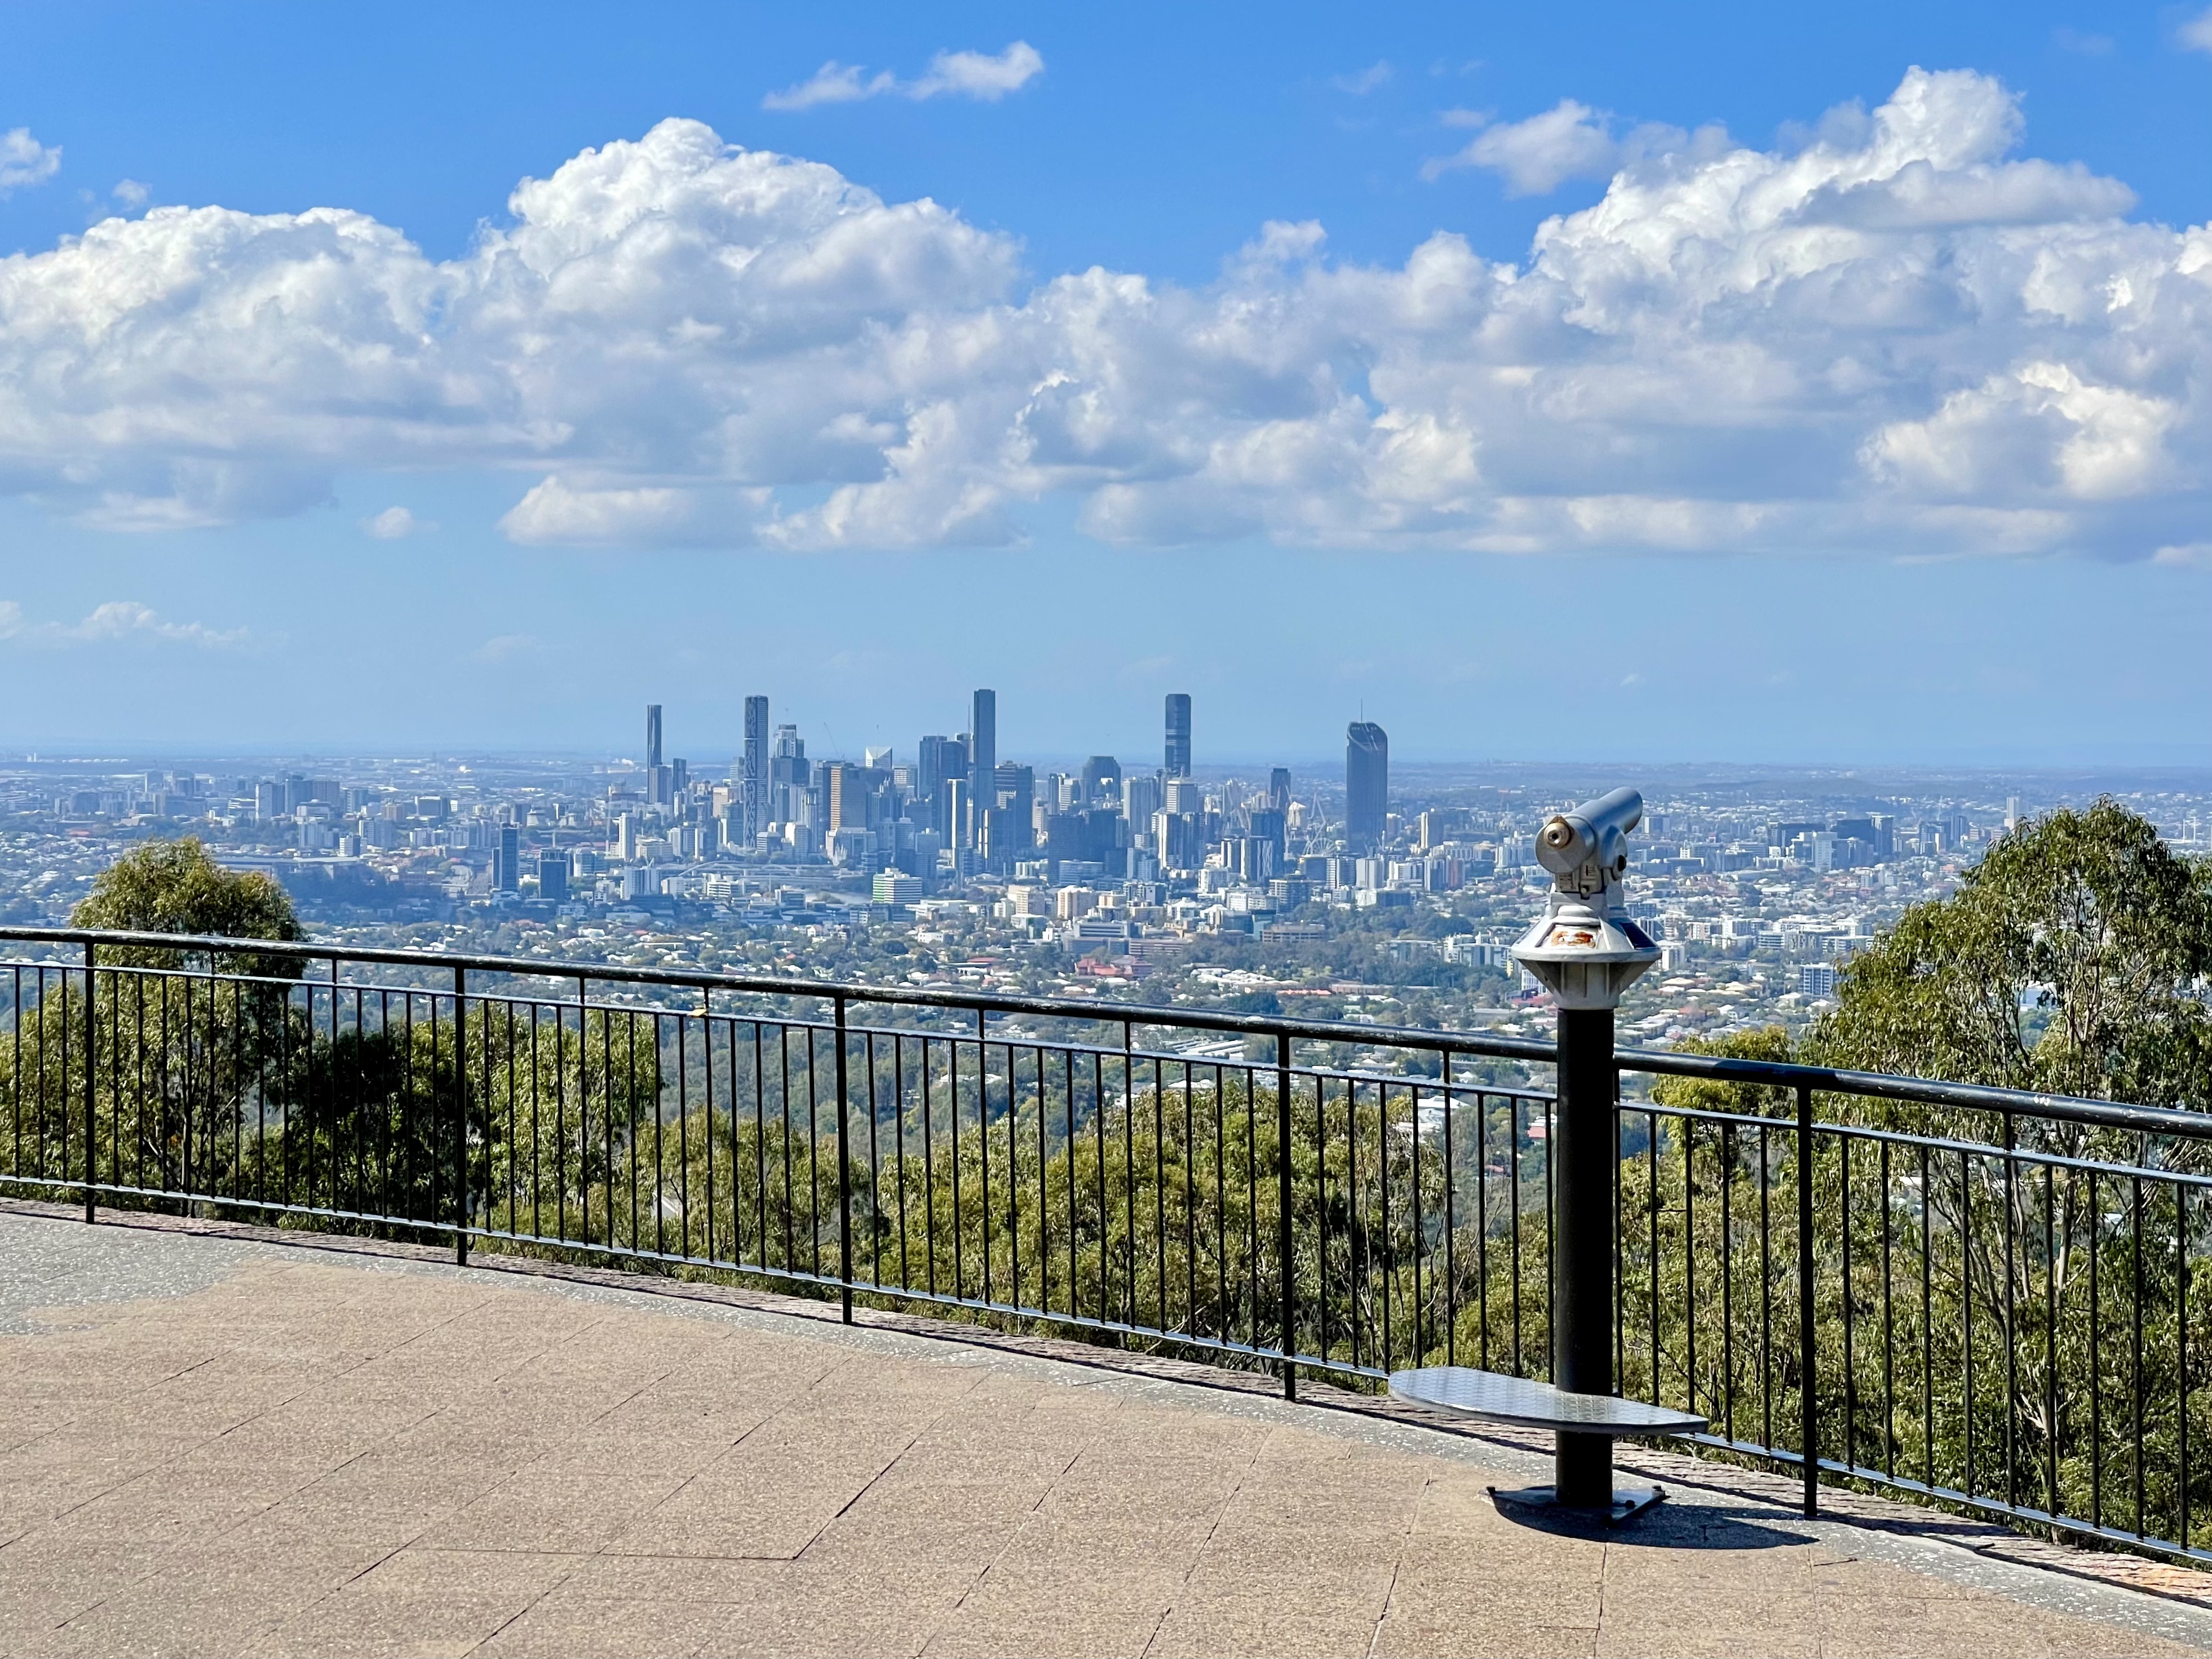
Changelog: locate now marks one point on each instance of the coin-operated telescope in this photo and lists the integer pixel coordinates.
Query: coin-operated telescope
(1587, 951)
(1584, 948)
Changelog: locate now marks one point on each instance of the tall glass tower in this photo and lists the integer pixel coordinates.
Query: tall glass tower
(983, 763)
(752, 776)
(1178, 753)
(1366, 783)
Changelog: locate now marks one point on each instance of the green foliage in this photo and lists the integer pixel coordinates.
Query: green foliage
(2069, 960)
(175, 887)
(175, 1061)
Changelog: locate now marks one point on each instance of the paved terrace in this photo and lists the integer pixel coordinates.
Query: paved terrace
(211, 1443)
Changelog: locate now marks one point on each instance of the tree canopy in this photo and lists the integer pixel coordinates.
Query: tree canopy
(175, 887)
(2072, 958)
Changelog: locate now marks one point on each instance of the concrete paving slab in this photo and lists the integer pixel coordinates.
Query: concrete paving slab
(373, 1453)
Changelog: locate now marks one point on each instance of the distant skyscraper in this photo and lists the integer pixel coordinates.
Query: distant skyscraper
(786, 776)
(507, 865)
(982, 760)
(752, 774)
(1178, 757)
(1278, 789)
(1140, 798)
(1366, 782)
(653, 734)
(939, 762)
(1102, 779)
(983, 739)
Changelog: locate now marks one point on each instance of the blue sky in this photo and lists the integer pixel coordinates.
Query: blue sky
(1610, 385)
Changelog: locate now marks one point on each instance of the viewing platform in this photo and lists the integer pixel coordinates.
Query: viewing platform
(217, 1439)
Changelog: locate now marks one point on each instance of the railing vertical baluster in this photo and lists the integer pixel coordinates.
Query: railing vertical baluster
(2096, 1363)
(1689, 1260)
(2051, 1406)
(1850, 1297)
(1806, 1343)
(1482, 1226)
(844, 1179)
(1928, 1320)
(1888, 1325)
(1513, 1193)
(1651, 1180)
(1619, 1281)
(1287, 1263)
(2181, 1352)
(2136, 1376)
(929, 1173)
(2011, 1319)
(706, 1124)
(1728, 1281)
(1766, 1284)
(898, 1124)
(461, 1211)
(1451, 1228)
(91, 1063)
(875, 1166)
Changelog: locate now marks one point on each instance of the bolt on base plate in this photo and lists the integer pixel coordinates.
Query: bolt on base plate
(1628, 1502)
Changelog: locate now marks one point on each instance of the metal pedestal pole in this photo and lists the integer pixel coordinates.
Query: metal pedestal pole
(1582, 1267)
(1582, 1148)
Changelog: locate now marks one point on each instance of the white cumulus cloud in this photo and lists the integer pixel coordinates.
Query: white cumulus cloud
(116, 620)
(2196, 34)
(987, 76)
(394, 524)
(1536, 156)
(1892, 334)
(24, 161)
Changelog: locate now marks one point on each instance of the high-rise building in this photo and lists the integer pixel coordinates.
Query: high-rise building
(506, 864)
(1102, 779)
(1178, 752)
(653, 734)
(752, 771)
(786, 776)
(1014, 788)
(1366, 782)
(982, 765)
(983, 740)
(553, 878)
(1140, 798)
(938, 762)
(1278, 789)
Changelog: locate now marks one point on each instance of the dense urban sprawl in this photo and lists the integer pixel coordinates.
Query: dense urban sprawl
(1362, 895)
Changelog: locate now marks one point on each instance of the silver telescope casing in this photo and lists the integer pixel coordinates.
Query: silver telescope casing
(1584, 949)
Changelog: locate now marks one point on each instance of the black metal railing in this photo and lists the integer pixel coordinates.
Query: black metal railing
(1979, 1295)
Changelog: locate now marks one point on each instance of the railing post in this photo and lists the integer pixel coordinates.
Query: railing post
(91, 1059)
(461, 1116)
(1808, 1347)
(844, 1180)
(1283, 1231)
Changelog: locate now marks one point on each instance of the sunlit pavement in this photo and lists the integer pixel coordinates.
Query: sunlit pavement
(213, 1445)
